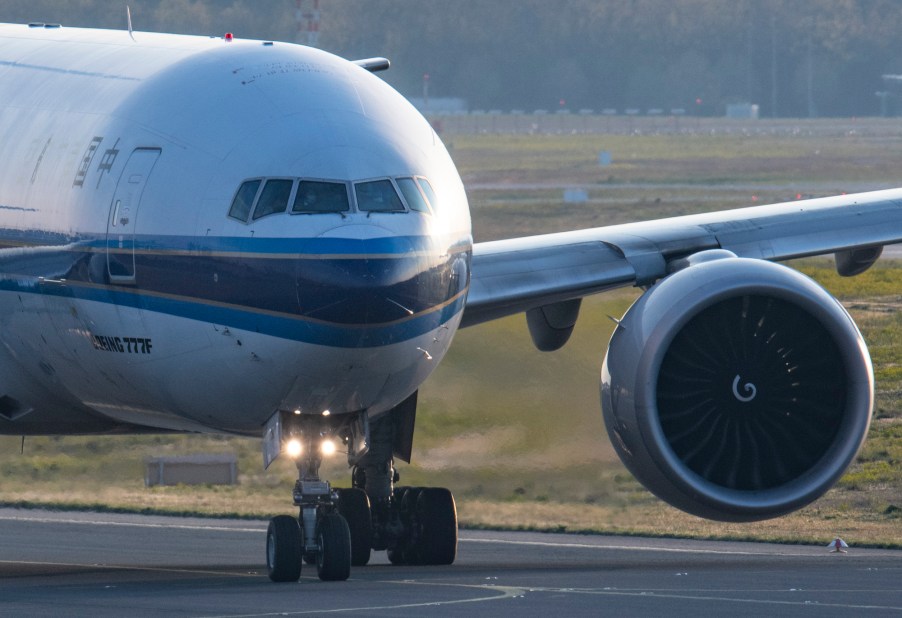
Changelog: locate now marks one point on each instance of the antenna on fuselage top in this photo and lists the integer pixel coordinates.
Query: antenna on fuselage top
(128, 15)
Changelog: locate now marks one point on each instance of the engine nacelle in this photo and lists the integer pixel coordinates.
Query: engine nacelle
(737, 389)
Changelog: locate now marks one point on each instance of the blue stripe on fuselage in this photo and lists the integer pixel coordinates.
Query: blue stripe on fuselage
(330, 291)
(282, 326)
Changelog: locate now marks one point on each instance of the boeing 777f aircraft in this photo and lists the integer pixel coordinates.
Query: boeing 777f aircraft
(257, 238)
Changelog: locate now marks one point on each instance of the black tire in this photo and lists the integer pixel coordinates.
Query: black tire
(283, 549)
(333, 562)
(436, 517)
(354, 506)
(409, 550)
(396, 556)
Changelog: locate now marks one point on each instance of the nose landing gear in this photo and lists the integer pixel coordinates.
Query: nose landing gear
(320, 531)
(320, 534)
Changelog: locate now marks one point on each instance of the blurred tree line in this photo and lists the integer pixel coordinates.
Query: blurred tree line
(818, 57)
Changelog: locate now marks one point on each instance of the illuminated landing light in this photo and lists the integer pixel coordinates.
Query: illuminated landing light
(293, 448)
(297, 412)
(328, 447)
(326, 413)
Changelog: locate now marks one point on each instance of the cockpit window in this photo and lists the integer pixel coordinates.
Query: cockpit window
(260, 197)
(412, 194)
(274, 198)
(313, 197)
(244, 199)
(378, 196)
(430, 194)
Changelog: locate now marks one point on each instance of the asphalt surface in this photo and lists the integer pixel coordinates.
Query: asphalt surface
(88, 564)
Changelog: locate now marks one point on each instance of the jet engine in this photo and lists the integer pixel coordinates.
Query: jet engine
(737, 389)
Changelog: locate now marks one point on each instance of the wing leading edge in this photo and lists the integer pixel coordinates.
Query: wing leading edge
(523, 274)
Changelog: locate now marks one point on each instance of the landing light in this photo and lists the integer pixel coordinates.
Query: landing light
(326, 413)
(293, 448)
(328, 447)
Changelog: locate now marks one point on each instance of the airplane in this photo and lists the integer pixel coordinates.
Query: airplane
(208, 234)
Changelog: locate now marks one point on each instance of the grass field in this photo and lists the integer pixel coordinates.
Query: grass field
(518, 434)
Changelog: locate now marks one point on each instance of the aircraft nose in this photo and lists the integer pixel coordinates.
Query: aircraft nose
(380, 286)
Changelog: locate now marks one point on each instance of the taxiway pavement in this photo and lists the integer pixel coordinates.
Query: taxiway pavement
(89, 564)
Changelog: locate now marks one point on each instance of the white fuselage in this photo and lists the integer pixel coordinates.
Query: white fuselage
(131, 300)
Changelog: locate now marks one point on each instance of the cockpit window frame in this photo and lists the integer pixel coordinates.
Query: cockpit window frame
(289, 200)
(348, 197)
(357, 183)
(428, 192)
(419, 191)
(253, 204)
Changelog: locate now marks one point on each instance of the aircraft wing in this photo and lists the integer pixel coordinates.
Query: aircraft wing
(522, 274)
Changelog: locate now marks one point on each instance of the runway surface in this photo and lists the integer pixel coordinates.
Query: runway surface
(88, 564)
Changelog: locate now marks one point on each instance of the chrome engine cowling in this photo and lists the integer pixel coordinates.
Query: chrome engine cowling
(737, 389)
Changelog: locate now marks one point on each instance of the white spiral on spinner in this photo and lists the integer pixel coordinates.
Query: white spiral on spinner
(748, 390)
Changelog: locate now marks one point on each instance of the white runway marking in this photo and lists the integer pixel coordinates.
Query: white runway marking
(506, 592)
(92, 522)
(709, 597)
(121, 567)
(655, 548)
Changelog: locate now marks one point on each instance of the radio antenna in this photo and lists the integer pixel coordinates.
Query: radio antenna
(128, 15)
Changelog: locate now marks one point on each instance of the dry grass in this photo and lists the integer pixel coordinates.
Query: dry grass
(816, 524)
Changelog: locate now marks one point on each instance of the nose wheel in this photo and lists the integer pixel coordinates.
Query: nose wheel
(333, 561)
(283, 549)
